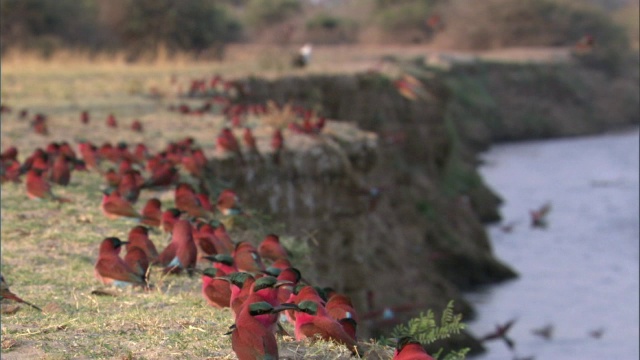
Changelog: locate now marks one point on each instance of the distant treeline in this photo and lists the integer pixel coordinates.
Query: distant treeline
(202, 27)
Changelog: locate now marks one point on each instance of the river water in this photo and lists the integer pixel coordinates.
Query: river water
(581, 273)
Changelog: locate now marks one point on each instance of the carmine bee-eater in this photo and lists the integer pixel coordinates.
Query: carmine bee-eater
(271, 249)
(164, 176)
(139, 237)
(152, 212)
(223, 262)
(128, 186)
(110, 269)
(289, 274)
(181, 253)
(246, 258)
(215, 289)
(137, 260)
(169, 218)
(277, 145)
(136, 126)
(339, 306)
(410, 349)
(313, 321)
(251, 339)
(114, 206)
(84, 117)
(39, 188)
(226, 142)
(187, 201)
(111, 121)
(61, 170)
(5, 293)
(228, 203)
(240, 284)
(227, 245)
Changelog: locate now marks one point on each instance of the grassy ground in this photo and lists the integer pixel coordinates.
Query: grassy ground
(48, 250)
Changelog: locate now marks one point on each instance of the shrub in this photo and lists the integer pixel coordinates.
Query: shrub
(329, 29)
(261, 13)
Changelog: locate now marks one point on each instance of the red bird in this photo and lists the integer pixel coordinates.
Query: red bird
(181, 253)
(110, 269)
(250, 339)
(228, 203)
(10, 153)
(111, 121)
(61, 170)
(271, 249)
(291, 275)
(410, 349)
(166, 175)
(277, 145)
(136, 126)
(39, 124)
(129, 186)
(187, 201)
(10, 171)
(152, 213)
(223, 262)
(227, 142)
(84, 117)
(227, 245)
(216, 291)
(115, 206)
(139, 237)
(313, 321)
(39, 188)
(137, 260)
(240, 283)
(169, 218)
(246, 258)
(339, 306)
(5, 293)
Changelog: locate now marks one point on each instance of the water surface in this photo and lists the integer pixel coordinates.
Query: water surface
(580, 273)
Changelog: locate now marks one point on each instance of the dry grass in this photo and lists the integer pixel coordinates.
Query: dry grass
(49, 250)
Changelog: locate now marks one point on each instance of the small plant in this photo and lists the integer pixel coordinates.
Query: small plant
(426, 330)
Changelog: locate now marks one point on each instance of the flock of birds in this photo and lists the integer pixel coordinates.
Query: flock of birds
(256, 282)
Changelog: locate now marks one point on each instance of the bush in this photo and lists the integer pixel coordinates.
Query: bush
(402, 19)
(492, 24)
(261, 13)
(329, 29)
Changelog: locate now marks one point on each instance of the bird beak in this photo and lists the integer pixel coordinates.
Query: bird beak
(210, 258)
(285, 306)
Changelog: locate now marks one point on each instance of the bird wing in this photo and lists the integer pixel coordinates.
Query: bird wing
(327, 329)
(121, 208)
(117, 269)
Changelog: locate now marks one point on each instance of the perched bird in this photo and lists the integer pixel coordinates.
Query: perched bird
(61, 170)
(5, 293)
(410, 349)
(226, 142)
(277, 145)
(169, 218)
(313, 321)
(164, 176)
(240, 283)
(152, 213)
(246, 258)
(39, 188)
(111, 121)
(501, 333)
(223, 262)
(181, 253)
(215, 289)
(228, 203)
(139, 237)
(271, 249)
(129, 186)
(114, 206)
(187, 201)
(84, 117)
(250, 338)
(136, 126)
(339, 306)
(137, 260)
(110, 269)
